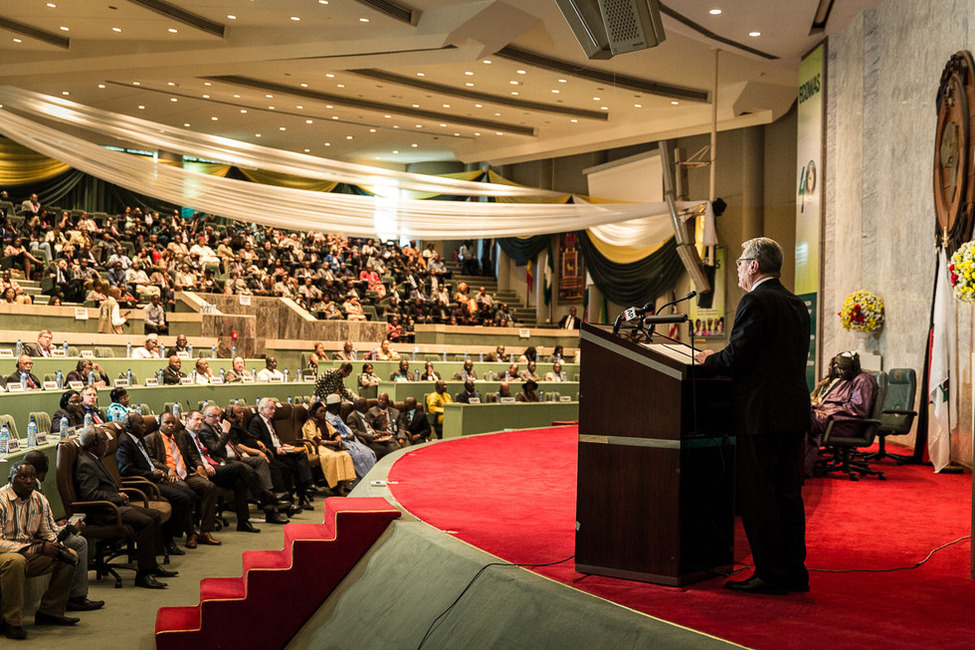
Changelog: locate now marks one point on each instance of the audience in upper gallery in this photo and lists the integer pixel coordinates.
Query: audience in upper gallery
(429, 374)
(403, 373)
(149, 349)
(556, 373)
(367, 377)
(528, 393)
(145, 255)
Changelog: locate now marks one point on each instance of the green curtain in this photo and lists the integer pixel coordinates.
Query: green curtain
(521, 250)
(636, 283)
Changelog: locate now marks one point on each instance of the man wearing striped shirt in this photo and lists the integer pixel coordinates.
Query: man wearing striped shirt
(28, 548)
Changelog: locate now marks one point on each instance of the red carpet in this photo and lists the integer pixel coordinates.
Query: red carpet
(278, 590)
(513, 495)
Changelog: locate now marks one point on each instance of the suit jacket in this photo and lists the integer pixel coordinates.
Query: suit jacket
(34, 350)
(214, 441)
(416, 425)
(392, 418)
(131, 462)
(564, 321)
(14, 378)
(95, 483)
(408, 375)
(463, 397)
(766, 358)
(156, 444)
(171, 375)
(259, 431)
(357, 423)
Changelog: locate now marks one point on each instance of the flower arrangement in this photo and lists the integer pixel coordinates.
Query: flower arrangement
(961, 269)
(862, 311)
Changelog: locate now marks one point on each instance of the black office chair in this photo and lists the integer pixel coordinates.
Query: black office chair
(898, 415)
(845, 435)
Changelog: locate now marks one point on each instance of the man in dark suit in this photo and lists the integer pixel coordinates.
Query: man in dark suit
(358, 421)
(261, 428)
(95, 483)
(23, 373)
(570, 321)
(766, 358)
(89, 402)
(413, 422)
(133, 459)
(43, 346)
(174, 450)
(172, 373)
(385, 417)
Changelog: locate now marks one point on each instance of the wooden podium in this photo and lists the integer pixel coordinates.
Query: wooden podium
(656, 463)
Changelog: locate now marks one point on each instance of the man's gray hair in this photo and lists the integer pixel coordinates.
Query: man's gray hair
(766, 252)
(265, 401)
(88, 436)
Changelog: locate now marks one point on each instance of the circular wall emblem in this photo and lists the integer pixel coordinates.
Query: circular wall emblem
(954, 168)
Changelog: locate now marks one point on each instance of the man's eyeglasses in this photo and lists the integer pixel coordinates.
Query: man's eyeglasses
(743, 259)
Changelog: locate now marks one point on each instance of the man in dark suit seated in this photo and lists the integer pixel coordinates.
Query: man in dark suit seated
(23, 374)
(133, 460)
(413, 422)
(43, 346)
(172, 373)
(89, 402)
(570, 321)
(469, 392)
(384, 417)
(95, 483)
(381, 442)
(29, 547)
(173, 449)
(766, 358)
(295, 461)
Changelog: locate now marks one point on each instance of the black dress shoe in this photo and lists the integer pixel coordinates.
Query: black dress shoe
(293, 510)
(146, 581)
(173, 549)
(284, 496)
(755, 585)
(274, 517)
(40, 618)
(84, 605)
(246, 527)
(160, 572)
(13, 631)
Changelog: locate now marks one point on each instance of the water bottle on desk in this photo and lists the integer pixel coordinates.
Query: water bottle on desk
(65, 348)
(31, 433)
(88, 420)
(193, 376)
(541, 396)
(213, 352)
(480, 356)
(189, 348)
(4, 440)
(63, 429)
(128, 375)
(223, 374)
(290, 400)
(59, 378)
(91, 377)
(23, 381)
(20, 347)
(159, 377)
(287, 373)
(177, 409)
(128, 350)
(233, 350)
(445, 355)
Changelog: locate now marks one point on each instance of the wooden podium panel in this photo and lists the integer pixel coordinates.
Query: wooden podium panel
(656, 457)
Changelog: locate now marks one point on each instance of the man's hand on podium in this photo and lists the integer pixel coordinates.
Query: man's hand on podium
(702, 355)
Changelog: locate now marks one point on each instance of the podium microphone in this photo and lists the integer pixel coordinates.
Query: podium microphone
(653, 320)
(679, 300)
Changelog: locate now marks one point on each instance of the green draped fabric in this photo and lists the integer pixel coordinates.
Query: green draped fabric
(521, 250)
(637, 283)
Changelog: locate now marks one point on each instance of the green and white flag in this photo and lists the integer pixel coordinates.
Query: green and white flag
(942, 394)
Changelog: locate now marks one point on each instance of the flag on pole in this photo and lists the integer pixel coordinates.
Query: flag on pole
(942, 395)
(529, 277)
(548, 276)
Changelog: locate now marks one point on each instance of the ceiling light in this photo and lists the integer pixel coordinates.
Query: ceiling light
(340, 85)
(231, 17)
(497, 115)
(363, 20)
(307, 150)
(419, 126)
(207, 83)
(173, 30)
(752, 34)
(478, 105)
(323, 2)
(521, 71)
(456, 134)
(281, 128)
(236, 96)
(257, 135)
(446, 105)
(513, 83)
(173, 99)
(443, 125)
(421, 74)
(295, 18)
(477, 133)
(604, 108)
(395, 151)
(595, 99)
(556, 91)
(117, 29)
(51, 5)
(309, 121)
(329, 75)
(469, 73)
(675, 102)
(328, 106)
(186, 125)
(63, 28)
(101, 85)
(498, 133)
(715, 12)
(348, 137)
(136, 83)
(141, 107)
(416, 106)
(574, 121)
(414, 145)
(206, 97)
(328, 144)
(214, 118)
(514, 92)
(469, 84)
(563, 81)
(269, 96)
(372, 130)
(637, 105)
(303, 85)
(270, 108)
(335, 117)
(65, 93)
(171, 83)
(487, 61)
(243, 110)
(17, 40)
(387, 116)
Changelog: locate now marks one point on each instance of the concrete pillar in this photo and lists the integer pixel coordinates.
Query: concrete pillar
(753, 183)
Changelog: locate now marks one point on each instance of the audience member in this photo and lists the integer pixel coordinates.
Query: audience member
(470, 392)
(435, 404)
(413, 423)
(149, 349)
(270, 371)
(23, 374)
(363, 458)
(43, 346)
(381, 442)
(403, 373)
(172, 374)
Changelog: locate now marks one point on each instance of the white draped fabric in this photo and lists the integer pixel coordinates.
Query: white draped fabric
(161, 137)
(286, 207)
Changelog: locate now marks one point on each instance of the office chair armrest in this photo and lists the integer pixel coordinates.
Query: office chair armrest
(100, 502)
(841, 419)
(898, 412)
(144, 484)
(136, 494)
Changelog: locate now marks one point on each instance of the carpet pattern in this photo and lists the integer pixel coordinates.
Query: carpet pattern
(277, 590)
(512, 494)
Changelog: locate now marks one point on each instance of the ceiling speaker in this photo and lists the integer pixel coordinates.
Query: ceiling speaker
(605, 28)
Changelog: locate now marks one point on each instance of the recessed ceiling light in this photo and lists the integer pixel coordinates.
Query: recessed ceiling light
(637, 105)
(243, 110)
(395, 151)
(335, 117)
(51, 5)
(206, 97)
(416, 106)
(17, 40)
(269, 96)
(456, 134)
(257, 135)
(477, 133)
(604, 108)
(468, 73)
(141, 107)
(478, 105)
(595, 99)
(715, 12)
(270, 108)
(443, 125)
(136, 83)
(231, 17)
(498, 133)
(574, 121)
(186, 125)
(521, 71)
(173, 30)
(329, 75)
(414, 145)
(214, 118)
(307, 150)
(348, 137)
(556, 91)
(563, 81)
(497, 115)
(328, 106)
(340, 85)
(101, 85)
(396, 126)
(281, 128)
(303, 85)
(419, 126)
(63, 28)
(387, 116)
(328, 144)
(421, 74)
(236, 96)
(513, 83)
(295, 18)
(323, 2)
(752, 34)
(173, 99)
(675, 102)
(446, 105)
(487, 61)
(207, 83)
(171, 83)
(514, 92)
(372, 130)
(117, 29)
(65, 93)
(363, 20)
(309, 121)
(469, 84)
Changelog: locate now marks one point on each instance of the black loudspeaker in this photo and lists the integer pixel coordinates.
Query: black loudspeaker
(605, 28)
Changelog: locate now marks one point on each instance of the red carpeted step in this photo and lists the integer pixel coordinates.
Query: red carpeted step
(221, 588)
(171, 619)
(314, 560)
